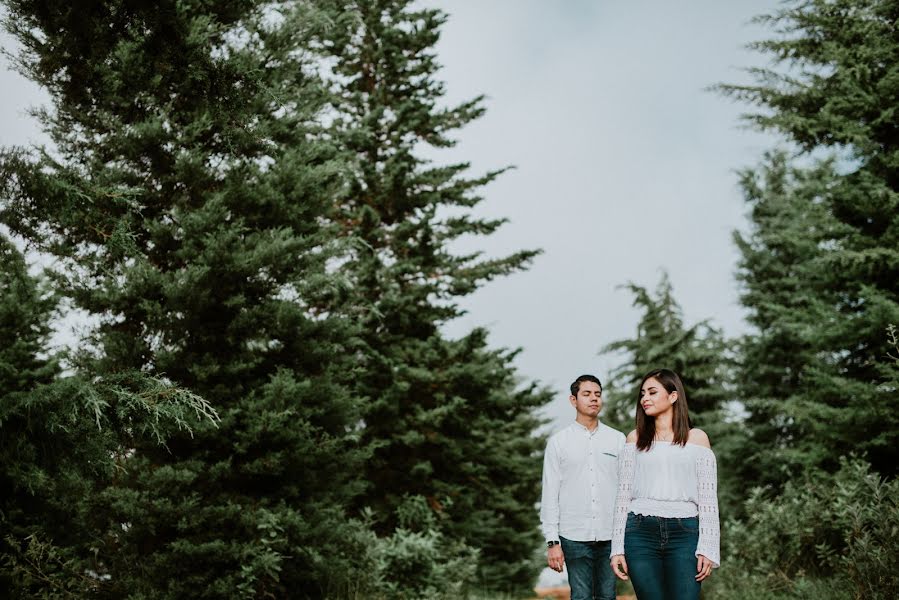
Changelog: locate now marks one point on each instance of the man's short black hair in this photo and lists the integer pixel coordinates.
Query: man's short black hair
(576, 385)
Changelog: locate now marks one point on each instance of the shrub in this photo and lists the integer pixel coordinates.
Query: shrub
(416, 562)
(826, 536)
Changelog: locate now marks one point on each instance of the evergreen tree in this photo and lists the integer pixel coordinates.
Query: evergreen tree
(447, 417)
(829, 235)
(787, 287)
(185, 202)
(25, 313)
(61, 440)
(699, 354)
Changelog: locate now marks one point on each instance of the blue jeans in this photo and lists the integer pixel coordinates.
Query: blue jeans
(589, 572)
(661, 557)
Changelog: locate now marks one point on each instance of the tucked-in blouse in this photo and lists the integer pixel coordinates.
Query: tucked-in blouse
(669, 480)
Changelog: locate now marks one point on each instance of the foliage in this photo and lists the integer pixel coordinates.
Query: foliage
(826, 536)
(271, 240)
(447, 419)
(792, 304)
(37, 569)
(25, 311)
(819, 273)
(699, 354)
(62, 443)
(425, 565)
(820, 266)
(61, 440)
(418, 561)
(184, 201)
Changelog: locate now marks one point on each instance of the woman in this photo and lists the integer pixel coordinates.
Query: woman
(665, 534)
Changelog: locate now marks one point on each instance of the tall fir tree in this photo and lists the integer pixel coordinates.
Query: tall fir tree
(185, 200)
(25, 313)
(62, 438)
(787, 287)
(698, 353)
(829, 234)
(448, 418)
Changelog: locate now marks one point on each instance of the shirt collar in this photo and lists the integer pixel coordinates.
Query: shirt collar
(580, 427)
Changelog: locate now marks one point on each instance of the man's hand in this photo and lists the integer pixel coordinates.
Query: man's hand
(554, 558)
(703, 567)
(619, 567)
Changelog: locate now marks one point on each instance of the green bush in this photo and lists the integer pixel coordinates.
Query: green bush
(828, 536)
(416, 562)
(413, 564)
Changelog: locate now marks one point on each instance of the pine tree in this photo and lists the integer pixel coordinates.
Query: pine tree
(698, 353)
(185, 201)
(25, 312)
(786, 286)
(61, 440)
(447, 417)
(821, 266)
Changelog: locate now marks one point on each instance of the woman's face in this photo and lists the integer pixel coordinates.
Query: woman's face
(655, 399)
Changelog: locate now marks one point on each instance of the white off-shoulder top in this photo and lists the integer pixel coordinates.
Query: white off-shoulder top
(669, 480)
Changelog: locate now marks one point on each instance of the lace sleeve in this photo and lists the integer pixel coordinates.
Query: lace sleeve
(625, 494)
(707, 499)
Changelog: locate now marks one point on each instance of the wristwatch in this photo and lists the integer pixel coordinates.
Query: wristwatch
(552, 543)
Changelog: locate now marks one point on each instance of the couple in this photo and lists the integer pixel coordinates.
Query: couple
(648, 503)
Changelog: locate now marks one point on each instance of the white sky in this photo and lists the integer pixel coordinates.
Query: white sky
(625, 165)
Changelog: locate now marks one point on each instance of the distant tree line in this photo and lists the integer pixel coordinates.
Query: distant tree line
(236, 196)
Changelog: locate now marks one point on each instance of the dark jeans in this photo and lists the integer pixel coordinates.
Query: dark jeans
(661, 557)
(589, 573)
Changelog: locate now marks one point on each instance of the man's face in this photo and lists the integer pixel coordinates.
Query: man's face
(588, 401)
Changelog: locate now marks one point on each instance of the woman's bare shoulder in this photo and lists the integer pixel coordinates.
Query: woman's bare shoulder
(632, 436)
(699, 437)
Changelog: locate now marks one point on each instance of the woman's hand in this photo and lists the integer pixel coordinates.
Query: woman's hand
(619, 567)
(703, 567)
(554, 558)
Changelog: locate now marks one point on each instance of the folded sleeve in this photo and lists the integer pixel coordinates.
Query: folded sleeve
(626, 462)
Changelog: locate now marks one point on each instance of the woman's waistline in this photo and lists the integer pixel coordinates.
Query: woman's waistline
(663, 508)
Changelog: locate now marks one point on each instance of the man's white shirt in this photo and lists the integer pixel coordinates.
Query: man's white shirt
(580, 482)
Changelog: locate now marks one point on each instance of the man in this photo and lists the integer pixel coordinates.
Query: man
(580, 481)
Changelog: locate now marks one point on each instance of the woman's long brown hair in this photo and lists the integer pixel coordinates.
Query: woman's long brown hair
(646, 425)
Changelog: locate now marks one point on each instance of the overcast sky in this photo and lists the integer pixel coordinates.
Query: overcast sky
(625, 164)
